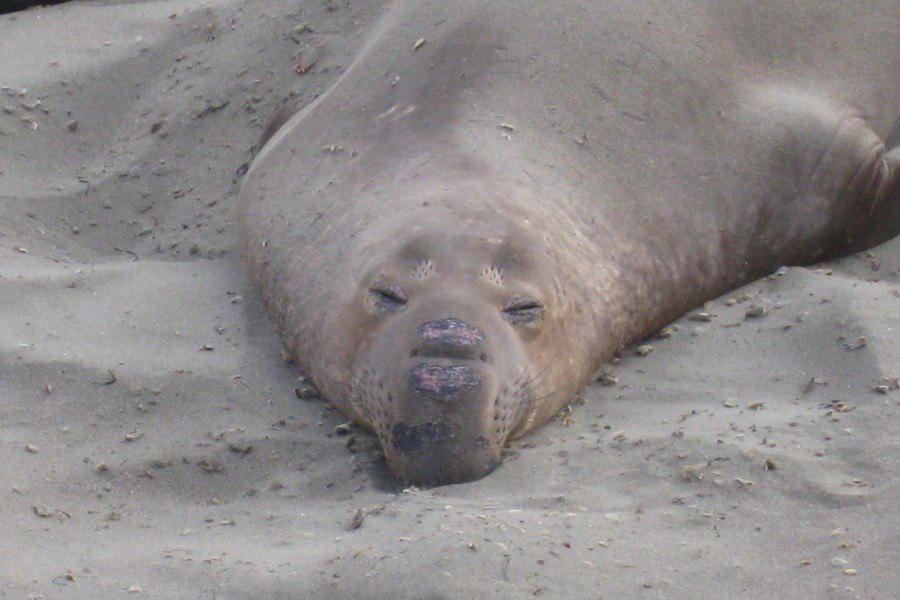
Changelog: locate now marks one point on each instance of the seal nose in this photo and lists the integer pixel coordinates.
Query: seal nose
(449, 338)
(450, 331)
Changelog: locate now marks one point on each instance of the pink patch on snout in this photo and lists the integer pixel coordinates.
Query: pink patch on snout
(450, 331)
(440, 381)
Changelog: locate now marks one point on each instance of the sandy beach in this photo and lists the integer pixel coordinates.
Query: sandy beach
(154, 446)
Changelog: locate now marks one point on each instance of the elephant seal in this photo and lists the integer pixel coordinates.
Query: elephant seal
(457, 234)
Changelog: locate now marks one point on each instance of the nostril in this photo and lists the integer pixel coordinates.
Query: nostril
(450, 331)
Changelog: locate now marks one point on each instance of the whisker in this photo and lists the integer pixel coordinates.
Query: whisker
(541, 375)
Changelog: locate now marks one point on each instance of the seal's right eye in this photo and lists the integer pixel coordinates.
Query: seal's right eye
(389, 297)
(523, 309)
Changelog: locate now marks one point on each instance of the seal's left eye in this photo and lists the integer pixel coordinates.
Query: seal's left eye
(389, 297)
(522, 309)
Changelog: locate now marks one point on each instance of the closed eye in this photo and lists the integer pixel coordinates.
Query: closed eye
(389, 297)
(523, 309)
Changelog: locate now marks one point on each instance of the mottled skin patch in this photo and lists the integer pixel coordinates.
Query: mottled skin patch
(451, 331)
(441, 381)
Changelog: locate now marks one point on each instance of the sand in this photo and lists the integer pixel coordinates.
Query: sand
(153, 446)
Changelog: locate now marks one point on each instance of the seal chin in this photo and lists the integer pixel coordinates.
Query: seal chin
(432, 454)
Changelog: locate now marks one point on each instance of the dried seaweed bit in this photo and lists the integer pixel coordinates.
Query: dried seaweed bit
(667, 331)
(887, 384)
(211, 465)
(644, 350)
(703, 317)
(565, 416)
(812, 383)
(693, 472)
(290, 424)
(758, 310)
(860, 343)
(297, 30)
(357, 520)
(210, 106)
(307, 59)
(134, 436)
(45, 513)
(306, 390)
(110, 378)
(619, 436)
(874, 262)
(838, 406)
(606, 378)
(684, 417)
(239, 448)
(769, 465)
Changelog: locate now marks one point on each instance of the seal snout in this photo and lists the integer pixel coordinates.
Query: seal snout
(444, 430)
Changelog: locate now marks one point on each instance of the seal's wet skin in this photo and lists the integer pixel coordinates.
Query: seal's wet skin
(504, 206)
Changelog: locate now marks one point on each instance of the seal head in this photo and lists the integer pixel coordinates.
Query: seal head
(456, 358)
